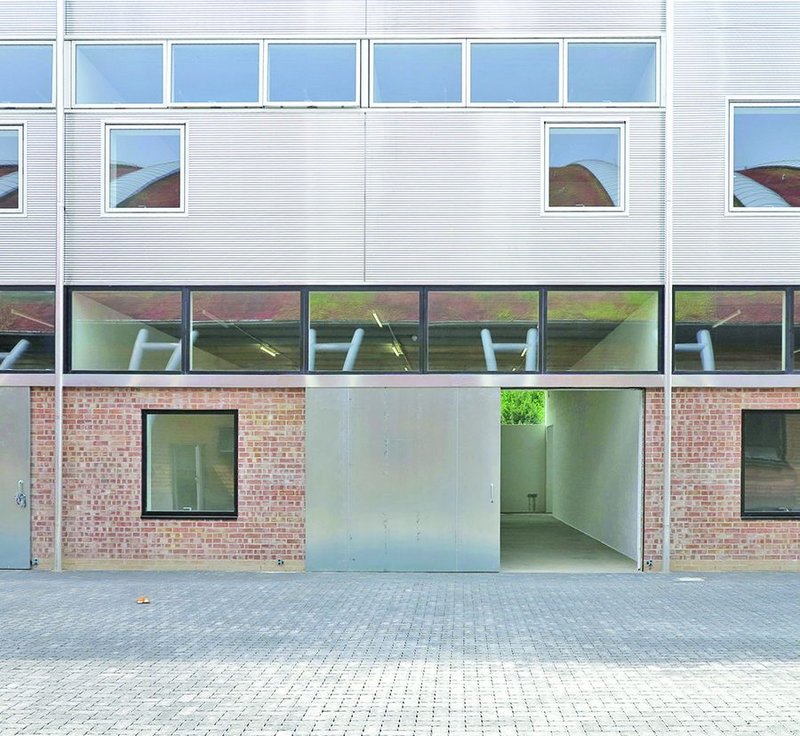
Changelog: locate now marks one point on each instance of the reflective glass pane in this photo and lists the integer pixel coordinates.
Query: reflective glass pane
(477, 331)
(144, 168)
(729, 331)
(766, 157)
(26, 74)
(599, 331)
(255, 331)
(10, 173)
(584, 167)
(771, 463)
(364, 331)
(514, 72)
(416, 72)
(190, 462)
(611, 72)
(215, 73)
(119, 74)
(312, 72)
(135, 331)
(27, 333)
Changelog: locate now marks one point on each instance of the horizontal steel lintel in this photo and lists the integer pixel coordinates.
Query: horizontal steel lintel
(735, 380)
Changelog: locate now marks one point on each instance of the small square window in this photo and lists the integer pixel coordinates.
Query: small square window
(771, 464)
(765, 157)
(26, 74)
(12, 175)
(584, 167)
(189, 463)
(144, 169)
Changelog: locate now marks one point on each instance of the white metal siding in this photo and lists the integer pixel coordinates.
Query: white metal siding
(272, 197)
(21, 19)
(215, 19)
(29, 242)
(735, 49)
(514, 17)
(455, 197)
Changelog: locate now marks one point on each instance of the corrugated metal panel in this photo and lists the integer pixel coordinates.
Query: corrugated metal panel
(513, 17)
(272, 197)
(735, 49)
(455, 197)
(29, 242)
(215, 19)
(27, 19)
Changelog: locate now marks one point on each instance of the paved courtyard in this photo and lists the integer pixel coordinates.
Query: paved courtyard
(398, 654)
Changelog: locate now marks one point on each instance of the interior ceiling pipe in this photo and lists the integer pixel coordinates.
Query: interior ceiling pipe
(668, 317)
(58, 393)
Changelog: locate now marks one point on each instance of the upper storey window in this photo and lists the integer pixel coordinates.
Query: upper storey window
(417, 73)
(585, 167)
(144, 168)
(211, 73)
(601, 73)
(26, 74)
(514, 73)
(11, 174)
(119, 74)
(765, 166)
(312, 73)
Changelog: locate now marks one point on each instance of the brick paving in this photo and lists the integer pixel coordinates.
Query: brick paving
(410, 654)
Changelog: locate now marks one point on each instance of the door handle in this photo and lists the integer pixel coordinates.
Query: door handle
(491, 492)
(21, 499)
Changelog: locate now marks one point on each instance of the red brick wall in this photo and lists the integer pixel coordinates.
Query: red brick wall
(707, 529)
(653, 476)
(103, 475)
(42, 445)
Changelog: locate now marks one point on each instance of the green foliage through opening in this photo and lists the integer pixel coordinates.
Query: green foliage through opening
(522, 407)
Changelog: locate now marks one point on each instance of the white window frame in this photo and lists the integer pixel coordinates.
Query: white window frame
(515, 41)
(415, 41)
(34, 105)
(311, 42)
(165, 75)
(22, 170)
(596, 41)
(731, 104)
(108, 128)
(168, 85)
(622, 126)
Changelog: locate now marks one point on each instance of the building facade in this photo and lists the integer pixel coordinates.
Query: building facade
(268, 265)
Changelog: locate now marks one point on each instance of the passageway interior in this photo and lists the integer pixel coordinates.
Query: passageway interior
(571, 481)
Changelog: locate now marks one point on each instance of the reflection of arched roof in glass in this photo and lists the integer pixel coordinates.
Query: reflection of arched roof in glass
(127, 185)
(752, 194)
(607, 174)
(9, 184)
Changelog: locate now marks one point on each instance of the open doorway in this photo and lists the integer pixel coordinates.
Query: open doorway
(571, 480)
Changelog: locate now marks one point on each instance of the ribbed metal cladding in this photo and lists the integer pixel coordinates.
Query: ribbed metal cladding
(455, 197)
(740, 50)
(272, 197)
(20, 19)
(29, 241)
(206, 19)
(514, 17)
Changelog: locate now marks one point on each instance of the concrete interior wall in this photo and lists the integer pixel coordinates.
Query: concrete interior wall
(522, 466)
(595, 468)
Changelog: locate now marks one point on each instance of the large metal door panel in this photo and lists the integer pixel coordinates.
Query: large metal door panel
(15, 462)
(327, 479)
(479, 479)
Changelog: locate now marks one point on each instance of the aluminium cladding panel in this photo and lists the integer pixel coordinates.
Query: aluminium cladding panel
(738, 50)
(215, 18)
(455, 197)
(272, 197)
(29, 240)
(514, 17)
(21, 19)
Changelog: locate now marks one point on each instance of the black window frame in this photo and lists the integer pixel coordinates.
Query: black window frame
(774, 515)
(145, 514)
(47, 288)
(305, 290)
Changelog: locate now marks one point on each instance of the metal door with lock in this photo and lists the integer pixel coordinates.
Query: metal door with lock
(15, 464)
